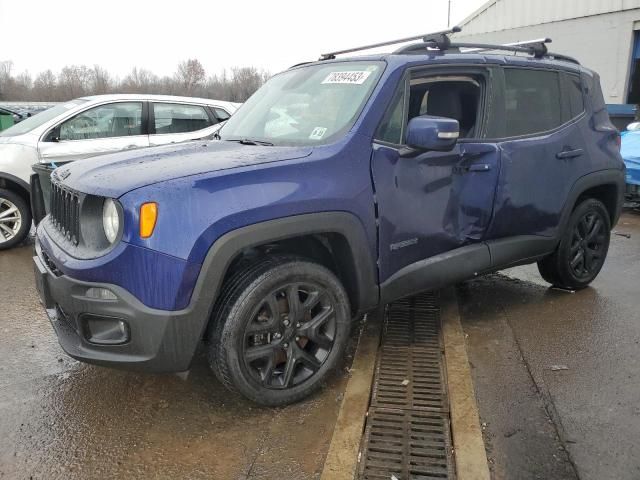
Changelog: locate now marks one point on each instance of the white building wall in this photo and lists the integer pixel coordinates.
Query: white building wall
(601, 42)
(498, 15)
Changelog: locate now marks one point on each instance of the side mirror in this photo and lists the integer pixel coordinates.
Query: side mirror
(432, 133)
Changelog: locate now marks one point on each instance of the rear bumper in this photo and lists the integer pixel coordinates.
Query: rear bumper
(155, 340)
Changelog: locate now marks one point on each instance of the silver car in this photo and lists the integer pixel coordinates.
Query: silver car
(91, 126)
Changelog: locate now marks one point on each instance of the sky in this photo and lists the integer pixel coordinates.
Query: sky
(157, 35)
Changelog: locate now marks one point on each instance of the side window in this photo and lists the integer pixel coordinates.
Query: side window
(390, 129)
(105, 121)
(532, 101)
(573, 88)
(220, 114)
(178, 118)
(456, 97)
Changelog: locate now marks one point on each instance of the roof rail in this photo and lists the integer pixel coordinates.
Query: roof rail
(440, 41)
(427, 37)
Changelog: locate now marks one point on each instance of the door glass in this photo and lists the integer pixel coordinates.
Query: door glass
(176, 118)
(105, 121)
(390, 130)
(451, 97)
(532, 101)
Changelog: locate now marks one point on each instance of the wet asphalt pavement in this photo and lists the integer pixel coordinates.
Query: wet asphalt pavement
(557, 374)
(62, 419)
(557, 378)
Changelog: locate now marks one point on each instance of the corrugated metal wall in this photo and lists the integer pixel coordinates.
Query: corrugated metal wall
(507, 14)
(599, 33)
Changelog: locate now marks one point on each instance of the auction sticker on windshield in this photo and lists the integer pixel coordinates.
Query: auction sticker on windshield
(353, 77)
(318, 133)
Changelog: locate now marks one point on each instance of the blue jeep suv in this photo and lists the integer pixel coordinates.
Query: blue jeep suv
(339, 186)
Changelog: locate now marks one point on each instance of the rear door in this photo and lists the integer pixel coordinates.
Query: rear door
(434, 202)
(180, 122)
(541, 128)
(106, 128)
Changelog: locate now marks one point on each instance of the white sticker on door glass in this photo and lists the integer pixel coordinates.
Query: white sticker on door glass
(352, 77)
(317, 133)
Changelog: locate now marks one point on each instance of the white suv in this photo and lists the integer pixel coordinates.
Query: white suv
(91, 126)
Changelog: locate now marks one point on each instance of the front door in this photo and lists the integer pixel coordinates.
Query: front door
(433, 202)
(107, 128)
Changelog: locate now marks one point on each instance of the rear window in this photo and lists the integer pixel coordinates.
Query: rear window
(532, 101)
(179, 118)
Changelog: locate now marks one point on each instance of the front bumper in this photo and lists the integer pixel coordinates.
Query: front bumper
(156, 340)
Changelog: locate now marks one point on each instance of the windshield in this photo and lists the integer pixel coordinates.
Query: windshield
(30, 123)
(305, 106)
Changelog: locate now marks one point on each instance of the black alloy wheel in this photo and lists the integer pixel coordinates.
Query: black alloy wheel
(588, 246)
(280, 325)
(290, 335)
(583, 247)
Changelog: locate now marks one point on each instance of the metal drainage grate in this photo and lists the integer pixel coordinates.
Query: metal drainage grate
(407, 432)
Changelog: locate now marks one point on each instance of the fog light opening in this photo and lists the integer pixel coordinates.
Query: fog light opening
(105, 330)
(100, 294)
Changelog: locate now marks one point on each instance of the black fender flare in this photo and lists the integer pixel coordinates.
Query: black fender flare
(608, 177)
(225, 249)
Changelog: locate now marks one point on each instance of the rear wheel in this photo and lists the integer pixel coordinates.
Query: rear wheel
(15, 219)
(582, 249)
(280, 327)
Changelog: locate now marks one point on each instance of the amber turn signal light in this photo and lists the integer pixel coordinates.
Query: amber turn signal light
(148, 217)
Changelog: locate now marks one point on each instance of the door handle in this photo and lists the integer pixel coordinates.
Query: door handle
(129, 147)
(479, 167)
(569, 154)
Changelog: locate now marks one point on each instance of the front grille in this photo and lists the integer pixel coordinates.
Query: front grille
(65, 212)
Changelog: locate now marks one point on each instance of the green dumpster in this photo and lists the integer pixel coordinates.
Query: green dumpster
(6, 120)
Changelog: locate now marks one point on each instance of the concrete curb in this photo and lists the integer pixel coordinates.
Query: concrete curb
(342, 459)
(469, 451)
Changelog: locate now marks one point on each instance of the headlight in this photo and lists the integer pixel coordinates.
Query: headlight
(110, 220)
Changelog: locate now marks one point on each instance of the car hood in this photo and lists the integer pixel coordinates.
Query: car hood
(115, 174)
(24, 139)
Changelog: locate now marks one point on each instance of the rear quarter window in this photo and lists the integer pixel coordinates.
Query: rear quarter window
(573, 89)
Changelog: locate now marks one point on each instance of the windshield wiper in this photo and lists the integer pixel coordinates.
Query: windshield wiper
(249, 141)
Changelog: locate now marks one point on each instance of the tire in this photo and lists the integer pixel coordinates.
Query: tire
(269, 347)
(582, 250)
(15, 219)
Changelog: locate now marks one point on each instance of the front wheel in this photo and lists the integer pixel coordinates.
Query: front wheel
(15, 219)
(280, 327)
(582, 249)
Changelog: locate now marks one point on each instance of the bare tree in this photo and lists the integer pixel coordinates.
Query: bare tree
(78, 80)
(190, 75)
(74, 81)
(44, 87)
(101, 81)
(5, 77)
(139, 80)
(246, 80)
